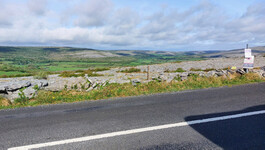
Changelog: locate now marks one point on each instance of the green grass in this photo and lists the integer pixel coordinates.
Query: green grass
(14, 75)
(127, 89)
(17, 60)
(10, 73)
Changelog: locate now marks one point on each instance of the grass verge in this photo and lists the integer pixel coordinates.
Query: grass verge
(127, 89)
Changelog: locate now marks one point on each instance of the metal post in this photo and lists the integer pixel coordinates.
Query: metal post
(246, 69)
(148, 72)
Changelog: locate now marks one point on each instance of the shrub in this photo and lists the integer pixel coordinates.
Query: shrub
(22, 98)
(90, 73)
(178, 70)
(79, 73)
(177, 62)
(131, 70)
(71, 74)
(208, 69)
(100, 69)
(177, 78)
(195, 69)
(36, 87)
(205, 70)
(41, 75)
(92, 70)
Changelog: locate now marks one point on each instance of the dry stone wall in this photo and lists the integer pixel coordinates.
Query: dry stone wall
(11, 87)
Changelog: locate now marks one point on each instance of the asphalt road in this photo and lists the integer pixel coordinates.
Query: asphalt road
(46, 124)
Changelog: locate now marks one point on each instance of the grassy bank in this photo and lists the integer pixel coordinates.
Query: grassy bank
(127, 89)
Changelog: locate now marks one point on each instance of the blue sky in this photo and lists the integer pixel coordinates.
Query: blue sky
(133, 24)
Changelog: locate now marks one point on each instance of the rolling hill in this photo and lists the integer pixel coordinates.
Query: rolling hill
(21, 60)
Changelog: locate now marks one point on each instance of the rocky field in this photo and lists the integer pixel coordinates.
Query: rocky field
(11, 88)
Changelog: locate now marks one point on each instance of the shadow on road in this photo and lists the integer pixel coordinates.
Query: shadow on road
(240, 133)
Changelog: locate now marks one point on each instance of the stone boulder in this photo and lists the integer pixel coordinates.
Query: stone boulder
(184, 76)
(11, 90)
(221, 73)
(57, 83)
(240, 71)
(30, 92)
(211, 74)
(40, 83)
(261, 73)
(135, 82)
(11, 95)
(262, 68)
(3, 89)
(14, 86)
(231, 71)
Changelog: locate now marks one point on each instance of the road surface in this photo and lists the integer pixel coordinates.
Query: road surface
(216, 118)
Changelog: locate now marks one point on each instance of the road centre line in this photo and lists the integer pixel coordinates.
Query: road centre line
(133, 131)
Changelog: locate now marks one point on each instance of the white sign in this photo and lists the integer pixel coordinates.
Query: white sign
(247, 52)
(249, 62)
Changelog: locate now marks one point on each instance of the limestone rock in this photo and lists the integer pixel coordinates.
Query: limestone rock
(184, 76)
(3, 89)
(30, 92)
(135, 81)
(13, 86)
(210, 74)
(12, 95)
(240, 71)
(220, 73)
(231, 71)
(262, 68)
(56, 83)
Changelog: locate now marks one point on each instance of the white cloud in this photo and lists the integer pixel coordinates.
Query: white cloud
(123, 21)
(96, 24)
(6, 15)
(38, 7)
(93, 12)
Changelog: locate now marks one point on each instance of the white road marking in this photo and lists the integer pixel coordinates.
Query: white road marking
(133, 131)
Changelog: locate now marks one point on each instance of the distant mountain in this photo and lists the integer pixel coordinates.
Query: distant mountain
(257, 51)
(70, 52)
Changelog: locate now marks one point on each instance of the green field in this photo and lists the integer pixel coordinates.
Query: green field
(17, 61)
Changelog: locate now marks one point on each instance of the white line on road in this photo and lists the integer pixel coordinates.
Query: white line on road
(133, 131)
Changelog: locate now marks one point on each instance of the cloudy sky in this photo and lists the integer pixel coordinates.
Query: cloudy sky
(133, 24)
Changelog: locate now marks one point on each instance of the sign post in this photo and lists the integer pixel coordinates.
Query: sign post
(249, 60)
